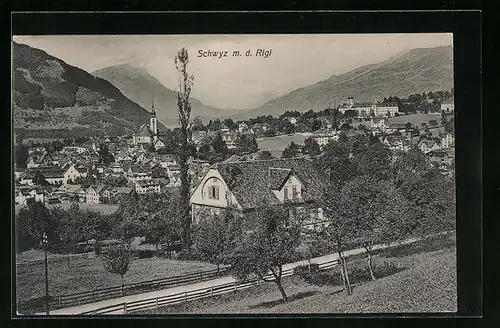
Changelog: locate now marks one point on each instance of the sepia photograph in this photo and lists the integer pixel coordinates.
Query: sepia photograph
(212, 174)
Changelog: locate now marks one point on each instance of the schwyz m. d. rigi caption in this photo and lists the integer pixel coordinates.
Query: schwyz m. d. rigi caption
(264, 53)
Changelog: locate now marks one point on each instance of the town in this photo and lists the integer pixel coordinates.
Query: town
(99, 171)
(162, 204)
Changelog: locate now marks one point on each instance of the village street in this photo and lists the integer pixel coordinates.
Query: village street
(205, 284)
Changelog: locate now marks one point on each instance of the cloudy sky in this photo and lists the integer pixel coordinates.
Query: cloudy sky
(236, 82)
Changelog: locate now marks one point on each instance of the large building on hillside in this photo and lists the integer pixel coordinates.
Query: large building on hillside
(367, 109)
(253, 184)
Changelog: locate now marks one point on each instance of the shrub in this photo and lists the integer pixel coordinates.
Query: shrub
(189, 256)
(145, 253)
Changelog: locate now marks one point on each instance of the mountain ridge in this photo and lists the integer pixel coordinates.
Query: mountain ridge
(142, 87)
(413, 71)
(48, 93)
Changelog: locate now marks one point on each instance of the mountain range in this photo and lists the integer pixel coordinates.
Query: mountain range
(415, 71)
(140, 86)
(49, 94)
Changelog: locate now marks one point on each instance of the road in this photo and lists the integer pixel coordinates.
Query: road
(205, 284)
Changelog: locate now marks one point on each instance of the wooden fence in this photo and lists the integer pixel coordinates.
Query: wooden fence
(68, 300)
(156, 302)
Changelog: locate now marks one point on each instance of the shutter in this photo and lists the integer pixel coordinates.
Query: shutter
(216, 192)
(286, 192)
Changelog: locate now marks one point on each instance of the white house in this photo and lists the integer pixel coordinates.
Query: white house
(446, 140)
(324, 137)
(71, 174)
(93, 194)
(252, 184)
(147, 187)
(448, 105)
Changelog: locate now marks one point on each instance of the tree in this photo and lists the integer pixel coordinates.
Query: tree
(230, 124)
(209, 237)
(184, 110)
(162, 225)
(104, 155)
(311, 147)
(338, 210)
(21, 155)
(345, 127)
(39, 179)
(262, 242)
(342, 170)
(197, 124)
(117, 260)
(433, 123)
(265, 155)
(378, 211)
(246, 144)
(291, 151)
(350, 113)
(32, 222)
(376, 161)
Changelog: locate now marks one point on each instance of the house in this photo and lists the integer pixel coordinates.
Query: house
(260, 127)
(230, 139)
(166, 159)
(325, 136)
(25, 195)
(117, 167)
(93, 195)
(147, 187)
(448, 105)
(138, 172)
(223, 128)
(243, 127)
(252, 184)
(53, 175)
(292, 120)
(379, 124)
(197, 136)
(71, 174)
(427, 145)
(122, 156)
(446, 139)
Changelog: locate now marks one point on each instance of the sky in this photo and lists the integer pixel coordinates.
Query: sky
(296, 60)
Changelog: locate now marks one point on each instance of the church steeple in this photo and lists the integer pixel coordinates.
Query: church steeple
(153, 121)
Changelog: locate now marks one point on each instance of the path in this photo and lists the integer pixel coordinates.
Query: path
(205, 284)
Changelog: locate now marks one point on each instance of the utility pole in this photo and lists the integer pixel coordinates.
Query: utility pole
(44, 241)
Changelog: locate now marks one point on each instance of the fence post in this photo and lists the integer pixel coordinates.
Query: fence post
(185, 297)
(125, 307)
(211, 290)
(235, 286)
(201, 275)
(157, 303)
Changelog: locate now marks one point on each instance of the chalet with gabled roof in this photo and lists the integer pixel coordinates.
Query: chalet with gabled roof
(252, 184)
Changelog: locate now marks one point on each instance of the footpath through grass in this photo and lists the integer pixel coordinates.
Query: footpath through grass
(419, 277)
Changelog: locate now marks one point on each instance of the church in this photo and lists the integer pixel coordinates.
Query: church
(148, 134)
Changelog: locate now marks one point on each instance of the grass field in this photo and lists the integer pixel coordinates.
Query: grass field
(276, 144)
(415, 119)
(104, 208)
(424, 280)
(86, 274)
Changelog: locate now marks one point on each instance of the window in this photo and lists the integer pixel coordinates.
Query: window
(294, 192)
(286, 192)
(213, 192)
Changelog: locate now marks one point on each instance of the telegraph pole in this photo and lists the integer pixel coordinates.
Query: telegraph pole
(44, 241)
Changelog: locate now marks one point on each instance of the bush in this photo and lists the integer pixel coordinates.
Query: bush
(303, 270)
(145, 253)
(189, 256)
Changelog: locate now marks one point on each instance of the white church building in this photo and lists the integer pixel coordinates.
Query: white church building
(148, 134)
